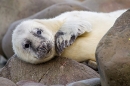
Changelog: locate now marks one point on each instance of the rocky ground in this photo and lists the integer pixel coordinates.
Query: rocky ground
(58, 71)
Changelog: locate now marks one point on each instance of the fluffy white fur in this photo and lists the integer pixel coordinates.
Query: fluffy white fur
(83, 48)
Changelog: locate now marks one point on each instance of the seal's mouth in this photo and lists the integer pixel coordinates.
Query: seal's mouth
(43, 50)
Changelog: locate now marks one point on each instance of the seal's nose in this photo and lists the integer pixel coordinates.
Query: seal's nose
(43, 46)
(44, 49)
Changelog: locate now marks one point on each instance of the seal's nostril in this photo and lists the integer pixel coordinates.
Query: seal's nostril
(42, 48)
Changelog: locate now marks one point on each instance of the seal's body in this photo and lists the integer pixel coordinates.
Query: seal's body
(72, 34)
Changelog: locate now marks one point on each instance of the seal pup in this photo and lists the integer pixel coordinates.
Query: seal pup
(73, 34)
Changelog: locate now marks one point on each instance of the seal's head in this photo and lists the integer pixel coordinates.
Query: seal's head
(33, 42)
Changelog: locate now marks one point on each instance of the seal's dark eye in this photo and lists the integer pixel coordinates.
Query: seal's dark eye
(39, 32)
(27, 45)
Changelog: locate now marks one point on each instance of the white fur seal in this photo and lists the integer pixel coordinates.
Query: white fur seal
(39, 40)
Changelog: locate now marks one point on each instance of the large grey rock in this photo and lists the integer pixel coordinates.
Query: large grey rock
(59, 70)
(6, 82)
(113, 54)
(49, 12)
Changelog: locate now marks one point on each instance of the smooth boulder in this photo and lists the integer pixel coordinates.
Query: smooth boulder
(59, 70)
(113, 53)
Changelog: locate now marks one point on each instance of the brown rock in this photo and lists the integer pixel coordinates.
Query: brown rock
(6, 82)
(28, 83)
(60, 70)
(49, 12)
(113, 54)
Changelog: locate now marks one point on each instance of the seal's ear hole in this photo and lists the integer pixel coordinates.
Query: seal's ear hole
(27, 45)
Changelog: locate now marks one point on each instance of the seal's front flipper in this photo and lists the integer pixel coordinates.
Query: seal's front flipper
(69, 32)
